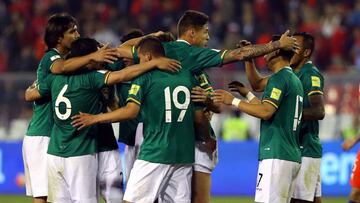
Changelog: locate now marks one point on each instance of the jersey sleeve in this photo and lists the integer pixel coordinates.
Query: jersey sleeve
(137, 89)
(313, 83)
(117, 65)
(98, 79)
(51, 58)
(203, 81)
(206, 58)
(275, 90)
(135, 55)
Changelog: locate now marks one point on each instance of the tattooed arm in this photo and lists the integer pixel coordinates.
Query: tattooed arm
(252, 51)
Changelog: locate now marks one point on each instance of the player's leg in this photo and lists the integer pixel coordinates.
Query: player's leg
(355, 180)
(178, 187)
(276, 180)
(110, 176)
(35, 166)
(307, 183)
(58, 189)
(145, 182)
(80, 173)
(201, 180)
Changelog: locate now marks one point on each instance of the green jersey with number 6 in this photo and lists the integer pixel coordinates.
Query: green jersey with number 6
(41, 120)
(279, 136)
(72, 94)
(313, 83)
(168, 116)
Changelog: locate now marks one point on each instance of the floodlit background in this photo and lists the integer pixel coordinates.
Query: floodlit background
(335, 25)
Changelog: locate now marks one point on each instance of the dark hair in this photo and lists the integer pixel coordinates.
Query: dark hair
(151, 44)
(166, 37)
(135, 33)
(83, 46)
(191, 19)
(309, 41)
(56, 27)
(283, 53)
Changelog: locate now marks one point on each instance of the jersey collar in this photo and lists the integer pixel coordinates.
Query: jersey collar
(184, 41)
(56, 50)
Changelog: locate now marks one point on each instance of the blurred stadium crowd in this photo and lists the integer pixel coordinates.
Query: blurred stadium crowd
(334, 23)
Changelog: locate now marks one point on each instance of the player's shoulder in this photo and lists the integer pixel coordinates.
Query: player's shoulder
(51, 55)
(310, 68)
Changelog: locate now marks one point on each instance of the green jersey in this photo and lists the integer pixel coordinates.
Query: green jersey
(127, 129)
(192, 58)
(313, 83)
(168, 116)
(279, 136)
(72, 94)
(41, 120)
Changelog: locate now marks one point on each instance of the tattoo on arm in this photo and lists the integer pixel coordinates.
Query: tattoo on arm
(251, 51)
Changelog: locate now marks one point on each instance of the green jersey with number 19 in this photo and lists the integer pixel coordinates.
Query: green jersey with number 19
(41, 120)
(168, 116)
(72, 94)
(279, 136)
(313, 83)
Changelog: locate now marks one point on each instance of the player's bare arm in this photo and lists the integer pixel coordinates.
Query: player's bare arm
(133, 71)
(82, 120)
(316, 111)
(104, 54)
(262, 110)
(202, 129)
(252, 51)
(199, 94)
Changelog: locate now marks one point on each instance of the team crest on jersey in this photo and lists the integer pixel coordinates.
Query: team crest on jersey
(53, 58)
(134, 89)
(315, 81)
(275, 93)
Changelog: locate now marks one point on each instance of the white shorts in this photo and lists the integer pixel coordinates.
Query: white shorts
(34, 151)
(308, 181)
(149, 181)
(276, 180)
(132, 152)
(110, 176)
(205, 161)
(73, 179)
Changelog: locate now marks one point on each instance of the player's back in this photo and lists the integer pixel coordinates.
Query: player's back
(72, 94)
(168, 116)
(280, 134)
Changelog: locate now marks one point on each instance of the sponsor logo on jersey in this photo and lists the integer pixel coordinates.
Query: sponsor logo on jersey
(134, 89)
(315, 81)
(275, 93)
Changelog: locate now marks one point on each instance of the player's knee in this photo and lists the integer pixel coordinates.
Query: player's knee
(355, 194)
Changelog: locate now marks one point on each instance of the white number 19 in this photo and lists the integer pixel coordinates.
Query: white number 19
(182, 106)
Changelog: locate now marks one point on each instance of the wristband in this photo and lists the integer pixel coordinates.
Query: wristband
(235, 102)
(250, 96)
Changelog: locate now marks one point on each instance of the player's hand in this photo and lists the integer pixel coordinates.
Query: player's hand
(288, 42)
(348, 144)
(222, 97)
(83, 120)
(238, 87)
(105, 54)
(243, 43)
(198, 94)
(167, 64)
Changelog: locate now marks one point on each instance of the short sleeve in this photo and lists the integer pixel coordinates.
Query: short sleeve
(203, 81)
(117, 65)
(98, 79)
(206, 58)
(138, 88)
(52, 56)
(135, 55)
(275, 90)
(313, 83)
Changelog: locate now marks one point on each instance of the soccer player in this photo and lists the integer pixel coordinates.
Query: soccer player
(311, 149)
(355, 175)
(280, 112)
(72, 154)
(189, 49)
(164, 167)
(60, 32)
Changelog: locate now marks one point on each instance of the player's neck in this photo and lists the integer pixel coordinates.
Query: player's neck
(62, 50)
(280, 64)
(300, 65)
(186, 38)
